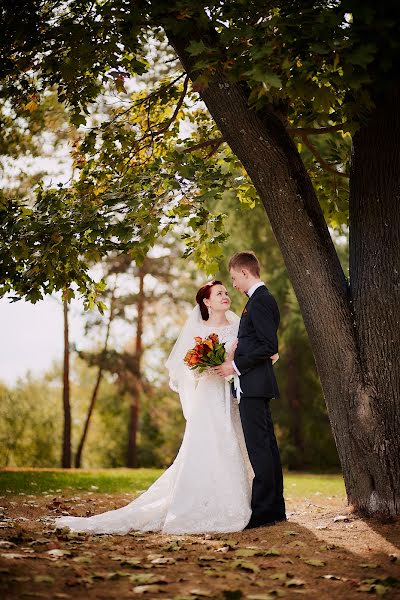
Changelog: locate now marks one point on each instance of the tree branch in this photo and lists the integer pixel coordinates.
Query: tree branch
(212, 142)
(320, 160)
(176, 111)
(315, 130)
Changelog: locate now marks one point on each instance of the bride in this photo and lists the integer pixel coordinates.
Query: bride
(208, 486)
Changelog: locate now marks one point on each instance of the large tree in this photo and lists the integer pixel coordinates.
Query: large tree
(270, 74)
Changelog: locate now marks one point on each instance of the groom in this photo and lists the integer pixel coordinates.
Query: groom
(253, 360)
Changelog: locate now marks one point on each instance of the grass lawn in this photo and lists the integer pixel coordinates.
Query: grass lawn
(38, 481)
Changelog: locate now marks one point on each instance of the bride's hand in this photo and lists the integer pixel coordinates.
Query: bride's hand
(231, 352)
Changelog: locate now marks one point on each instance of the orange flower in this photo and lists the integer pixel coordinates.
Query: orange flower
(206, 352)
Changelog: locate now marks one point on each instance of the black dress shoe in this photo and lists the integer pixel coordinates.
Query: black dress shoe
(281, 519)
(252, 524)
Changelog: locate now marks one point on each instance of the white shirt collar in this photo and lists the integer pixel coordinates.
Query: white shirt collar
(253, 288)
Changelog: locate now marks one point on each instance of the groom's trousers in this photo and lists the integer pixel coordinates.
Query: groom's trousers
(267, 501)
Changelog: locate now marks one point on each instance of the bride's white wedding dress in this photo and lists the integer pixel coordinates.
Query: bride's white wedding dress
(208, 486)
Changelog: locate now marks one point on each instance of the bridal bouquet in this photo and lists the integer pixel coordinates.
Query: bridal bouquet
(208, 352)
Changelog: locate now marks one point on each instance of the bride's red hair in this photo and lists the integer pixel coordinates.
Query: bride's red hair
(205, 292)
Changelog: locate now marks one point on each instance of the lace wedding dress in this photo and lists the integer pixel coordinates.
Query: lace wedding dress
(208, 486)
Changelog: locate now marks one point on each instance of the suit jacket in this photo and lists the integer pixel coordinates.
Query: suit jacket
(258, 341)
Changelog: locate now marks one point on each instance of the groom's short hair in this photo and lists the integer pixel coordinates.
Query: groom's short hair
(245, 260)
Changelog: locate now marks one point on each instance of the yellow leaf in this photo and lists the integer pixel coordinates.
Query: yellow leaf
(31, 106)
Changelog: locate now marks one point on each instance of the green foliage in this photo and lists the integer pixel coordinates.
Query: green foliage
(314, 65)
(75, 46)
(30, 423)
(161, 426)
(134, 480)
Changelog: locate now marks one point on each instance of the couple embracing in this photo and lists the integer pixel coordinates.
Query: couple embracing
(227, 475)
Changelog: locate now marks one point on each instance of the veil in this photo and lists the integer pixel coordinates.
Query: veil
(181, 378)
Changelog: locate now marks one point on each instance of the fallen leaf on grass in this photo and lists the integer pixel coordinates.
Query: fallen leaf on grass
(38, 542)
(295, 583)
(43, 579)
(129, 562)
(314, 562)
(58, 553)
(245, 566)
(280, 576)
(173, 546)
(271, 552)
(163, 561)
(223, 549)
(83, 559)
(329, 546)
(208, 558)
(144, 589)
(377, 585)
(229, 543)
(5, 544)
(147, 578)
(341, 519)
(216, 573)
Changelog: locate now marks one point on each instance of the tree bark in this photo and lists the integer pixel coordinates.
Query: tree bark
(270, 157)
(375, 291)
(136, 385)
(66, 447)
(78, 456)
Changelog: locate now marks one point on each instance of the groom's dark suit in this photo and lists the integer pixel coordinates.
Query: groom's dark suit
(257, 343)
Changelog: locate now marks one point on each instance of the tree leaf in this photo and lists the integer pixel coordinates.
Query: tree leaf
(314, 562)
(245, 566)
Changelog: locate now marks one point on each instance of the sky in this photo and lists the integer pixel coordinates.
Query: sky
(32, 336)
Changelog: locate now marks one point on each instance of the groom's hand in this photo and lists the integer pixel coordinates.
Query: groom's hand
(274, 358)
(225, 369)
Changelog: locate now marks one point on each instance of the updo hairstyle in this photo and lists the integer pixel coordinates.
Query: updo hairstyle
(205, 292)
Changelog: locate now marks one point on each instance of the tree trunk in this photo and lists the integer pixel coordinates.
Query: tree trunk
(66, 448)
(269, 155)
(136, 387)
(374, 276)
(78, 457)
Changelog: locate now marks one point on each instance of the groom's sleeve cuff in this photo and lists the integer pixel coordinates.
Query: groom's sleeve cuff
(235, 367)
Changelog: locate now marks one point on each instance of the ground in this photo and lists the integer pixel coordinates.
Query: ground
(324, 551)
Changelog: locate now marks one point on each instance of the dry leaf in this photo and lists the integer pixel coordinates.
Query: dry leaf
(314, 562)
